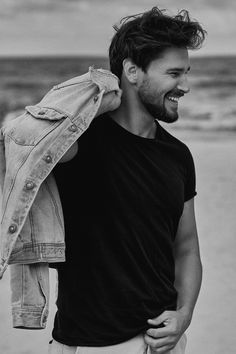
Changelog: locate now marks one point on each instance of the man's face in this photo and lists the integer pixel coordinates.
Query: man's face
(163, 83)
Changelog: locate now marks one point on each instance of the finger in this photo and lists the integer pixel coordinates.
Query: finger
(157, 343)
(159, 332)
(160, 345)
(160, 319)
(162, 350)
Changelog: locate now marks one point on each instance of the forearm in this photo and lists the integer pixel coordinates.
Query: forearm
(188, 277)
(188, 282)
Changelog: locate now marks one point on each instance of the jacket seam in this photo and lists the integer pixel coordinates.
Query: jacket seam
(61, 86)
(54, 203)
(22, 288)
(31, 222)
(13, 183)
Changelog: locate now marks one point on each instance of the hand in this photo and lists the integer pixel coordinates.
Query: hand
(110, 102)
(163, 339)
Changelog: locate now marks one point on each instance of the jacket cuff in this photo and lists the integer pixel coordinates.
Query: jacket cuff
(29, 318)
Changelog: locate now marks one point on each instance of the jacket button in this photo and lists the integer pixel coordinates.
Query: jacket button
(73, 128)
(95, 98)
(12, 228)
(42, 112)
(29, 185)
(48, 158)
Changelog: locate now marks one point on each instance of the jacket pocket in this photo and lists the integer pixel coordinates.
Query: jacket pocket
(28, 131)
(45, 113)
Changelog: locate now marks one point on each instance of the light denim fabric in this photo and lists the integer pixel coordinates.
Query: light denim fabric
(30, 295)
(32, 227)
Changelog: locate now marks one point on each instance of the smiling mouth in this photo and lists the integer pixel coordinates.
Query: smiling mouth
(173, 99)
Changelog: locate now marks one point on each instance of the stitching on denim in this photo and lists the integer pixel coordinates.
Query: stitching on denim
(22, 284)
(46, 300)
(54, 204)
(32, 232)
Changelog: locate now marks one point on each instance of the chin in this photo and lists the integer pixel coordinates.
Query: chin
(161, 113)
(169, 118)
(172, 120)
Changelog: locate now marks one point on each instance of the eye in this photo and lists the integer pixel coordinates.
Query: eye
(174, 74)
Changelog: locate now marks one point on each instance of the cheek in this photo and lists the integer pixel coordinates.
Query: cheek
(156, 94)
(151, 92)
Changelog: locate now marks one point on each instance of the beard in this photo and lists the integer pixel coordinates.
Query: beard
(156, 108)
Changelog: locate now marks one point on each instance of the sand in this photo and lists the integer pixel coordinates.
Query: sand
(213, 326)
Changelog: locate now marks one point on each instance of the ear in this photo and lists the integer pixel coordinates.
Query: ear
(130, 71)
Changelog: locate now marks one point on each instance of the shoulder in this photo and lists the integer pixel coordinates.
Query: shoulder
(99, 123)
(179, 150)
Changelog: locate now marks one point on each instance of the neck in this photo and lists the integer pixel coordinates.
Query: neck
(132, 116)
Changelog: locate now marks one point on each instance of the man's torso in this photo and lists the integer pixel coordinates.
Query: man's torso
(122, 197)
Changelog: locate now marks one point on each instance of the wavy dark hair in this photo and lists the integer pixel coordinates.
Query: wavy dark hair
(143, 37)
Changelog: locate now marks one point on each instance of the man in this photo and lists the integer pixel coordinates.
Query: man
(133, 272)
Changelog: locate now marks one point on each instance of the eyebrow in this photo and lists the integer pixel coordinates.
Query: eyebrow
(179, 69)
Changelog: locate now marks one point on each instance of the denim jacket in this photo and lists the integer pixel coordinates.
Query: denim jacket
(32, 229)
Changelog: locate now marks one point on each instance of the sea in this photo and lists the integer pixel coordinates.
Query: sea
(210, 105)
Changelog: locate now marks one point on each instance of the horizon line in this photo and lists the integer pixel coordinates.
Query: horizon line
(93, 55)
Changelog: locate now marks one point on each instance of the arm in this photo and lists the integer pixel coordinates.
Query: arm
(187, 262)
(187, 282)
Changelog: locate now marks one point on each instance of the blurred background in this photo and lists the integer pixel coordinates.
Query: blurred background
(45, 42)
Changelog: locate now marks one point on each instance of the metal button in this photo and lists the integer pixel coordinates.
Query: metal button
(48, 158)
(95, 98)
(12, 228)
(42, 112)
(29, 185)
(73, 128)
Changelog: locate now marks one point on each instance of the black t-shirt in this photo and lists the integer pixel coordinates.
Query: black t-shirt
(122, 197)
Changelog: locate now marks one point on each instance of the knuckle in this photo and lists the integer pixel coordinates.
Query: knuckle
(152, 332)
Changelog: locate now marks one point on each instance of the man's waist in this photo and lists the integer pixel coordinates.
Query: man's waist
(104, 326)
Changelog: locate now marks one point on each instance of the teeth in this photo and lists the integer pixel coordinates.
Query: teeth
(174, 99)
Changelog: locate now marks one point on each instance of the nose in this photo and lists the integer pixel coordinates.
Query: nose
(183, 85)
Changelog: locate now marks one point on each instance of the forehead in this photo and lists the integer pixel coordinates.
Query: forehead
(171, 58)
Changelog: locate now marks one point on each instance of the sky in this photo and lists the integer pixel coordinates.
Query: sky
(74, 27)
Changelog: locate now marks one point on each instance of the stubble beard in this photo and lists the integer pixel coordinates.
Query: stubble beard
(156, 109)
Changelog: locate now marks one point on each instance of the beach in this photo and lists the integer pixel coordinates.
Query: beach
(208, 126)
(213, 326)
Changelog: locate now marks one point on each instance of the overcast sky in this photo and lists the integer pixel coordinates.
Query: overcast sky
(74, 27)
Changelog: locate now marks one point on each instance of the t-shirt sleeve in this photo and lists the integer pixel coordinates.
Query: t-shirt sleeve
(190, 184)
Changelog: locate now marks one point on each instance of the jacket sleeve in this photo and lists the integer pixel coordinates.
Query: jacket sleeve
(2, 169)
